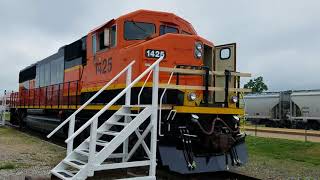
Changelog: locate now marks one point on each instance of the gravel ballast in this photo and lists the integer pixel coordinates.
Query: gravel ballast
(22, 155)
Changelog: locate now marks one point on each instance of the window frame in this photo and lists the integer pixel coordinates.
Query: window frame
(185, 32)
(224, 59)
(124, 28)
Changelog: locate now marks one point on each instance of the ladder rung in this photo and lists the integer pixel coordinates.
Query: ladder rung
(63, 174)
(111, 133)
(74, 163)
(117, 123)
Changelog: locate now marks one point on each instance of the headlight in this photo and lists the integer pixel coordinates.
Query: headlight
(198, 48)
(234, 99)
(198, 54)
(192, 96)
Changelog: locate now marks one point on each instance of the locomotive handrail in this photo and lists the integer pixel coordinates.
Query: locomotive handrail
(210, 88)
(144, 84)
(115, 99)
(201, 72)
(161, 98)
(72, 116)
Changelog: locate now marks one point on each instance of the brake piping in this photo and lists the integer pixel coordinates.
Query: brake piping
(233, 152)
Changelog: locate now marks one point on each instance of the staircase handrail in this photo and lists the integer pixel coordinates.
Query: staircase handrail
(115, 99)
(91, 99)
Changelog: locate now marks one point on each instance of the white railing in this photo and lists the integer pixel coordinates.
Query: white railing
(93, 121)
(144, 84)
(4, 107)
(116, 99)
(72, 118)
(161, 98)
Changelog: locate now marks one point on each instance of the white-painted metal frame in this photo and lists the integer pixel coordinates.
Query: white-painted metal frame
(131, 125)
(71, 118)
(4, 108)
(115, 99)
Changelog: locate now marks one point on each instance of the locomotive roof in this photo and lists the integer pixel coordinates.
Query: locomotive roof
(171, 17)
(158, 14)
(45, 60)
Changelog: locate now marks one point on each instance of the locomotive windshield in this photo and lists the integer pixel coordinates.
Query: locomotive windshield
(138, 30)
(168, 29)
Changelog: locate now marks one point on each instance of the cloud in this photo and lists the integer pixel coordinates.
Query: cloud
(278, 40)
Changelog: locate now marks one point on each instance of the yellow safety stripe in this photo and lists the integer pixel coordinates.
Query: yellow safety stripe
(208, 110)
(179, 109)
(114, 86)
(73, 68)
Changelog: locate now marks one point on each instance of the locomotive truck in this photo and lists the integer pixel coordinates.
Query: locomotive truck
(99, 93)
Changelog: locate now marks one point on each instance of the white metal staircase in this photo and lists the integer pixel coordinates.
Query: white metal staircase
(100, 150)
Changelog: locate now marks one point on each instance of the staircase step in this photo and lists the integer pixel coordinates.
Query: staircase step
(62, 174)
(111, 133)
(99, 142)
(84, 152)
(117, 123)
(125, 114)
(74, 163)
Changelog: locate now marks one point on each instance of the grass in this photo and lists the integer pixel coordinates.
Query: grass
(25, 151)
(7, 166)
(271, 158)
(282, 149)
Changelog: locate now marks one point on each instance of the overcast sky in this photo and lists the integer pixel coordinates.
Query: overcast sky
(279, 40)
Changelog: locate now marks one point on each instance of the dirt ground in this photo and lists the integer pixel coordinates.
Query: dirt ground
(23, 155)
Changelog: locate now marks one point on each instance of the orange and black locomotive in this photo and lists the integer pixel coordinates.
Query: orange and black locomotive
(199, 129)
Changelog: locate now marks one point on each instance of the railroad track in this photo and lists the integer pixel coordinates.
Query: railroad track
(161, 173)
(223, 175)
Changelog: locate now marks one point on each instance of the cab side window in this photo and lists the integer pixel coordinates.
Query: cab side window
(113, 36)
(98, 39)
(94, 43)
(164, 29)
(101, 45)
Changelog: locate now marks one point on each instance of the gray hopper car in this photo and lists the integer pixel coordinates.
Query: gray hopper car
(290, 109)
